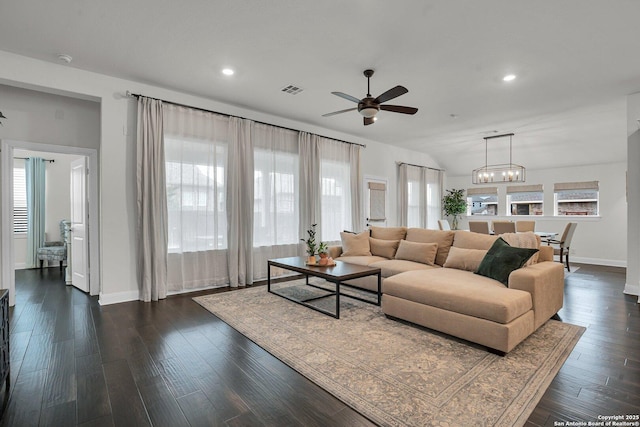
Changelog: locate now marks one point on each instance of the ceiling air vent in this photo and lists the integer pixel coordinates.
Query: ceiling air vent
(292, 89)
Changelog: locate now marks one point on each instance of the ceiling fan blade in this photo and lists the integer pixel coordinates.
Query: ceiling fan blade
(339, 112)
(348, 97)
(399, 109)
(369, 120)
(391, 93)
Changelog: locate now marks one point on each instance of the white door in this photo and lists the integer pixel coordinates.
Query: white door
(79, 223)
(376, 204)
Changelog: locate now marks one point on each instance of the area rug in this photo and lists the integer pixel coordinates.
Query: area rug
(394, 373)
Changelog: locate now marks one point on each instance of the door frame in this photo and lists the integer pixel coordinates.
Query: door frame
(7, 276)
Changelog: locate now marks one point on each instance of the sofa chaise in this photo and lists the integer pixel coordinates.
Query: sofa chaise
(429, 278)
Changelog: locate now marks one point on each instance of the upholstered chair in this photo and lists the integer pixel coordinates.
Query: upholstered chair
(501, 227)
(479, 226)
(56, 250)
(443, 224)
(562, 245)
(522, 226)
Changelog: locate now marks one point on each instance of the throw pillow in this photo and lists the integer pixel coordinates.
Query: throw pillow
(384, 248)
(524, 240)
(464, 259)
(501, 259)
(355, 244)
(443, 238)
(424, 253)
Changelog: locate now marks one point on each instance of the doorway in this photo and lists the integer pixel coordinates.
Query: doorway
(90, 236)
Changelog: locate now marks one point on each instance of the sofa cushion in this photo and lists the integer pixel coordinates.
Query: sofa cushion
(461, 292)
(524, 240)
(502, 259)
(388, 233)
(469, 240)
(361, 260)
(391, 267)
(385, 248)
(464, 259)
(424, 253)
(444, 239)
(355, 244)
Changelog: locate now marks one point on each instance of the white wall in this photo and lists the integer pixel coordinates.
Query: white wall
(117, 153)
(57, 197)
(601, 240)
(632, 285)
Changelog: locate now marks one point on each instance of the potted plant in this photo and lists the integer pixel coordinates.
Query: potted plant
(454, 204)
(312, 246)
(323, 251)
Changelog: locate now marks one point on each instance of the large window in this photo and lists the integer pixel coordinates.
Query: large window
(196, 206)
(576, 198)
(275, 202)
(525, 200)
(420, 191)
(335, 198)
(482, 201)
(19, 200)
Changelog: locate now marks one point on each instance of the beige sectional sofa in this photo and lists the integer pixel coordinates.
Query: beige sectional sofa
(429, 280)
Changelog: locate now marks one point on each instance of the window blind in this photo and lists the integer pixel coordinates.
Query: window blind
(19, 200)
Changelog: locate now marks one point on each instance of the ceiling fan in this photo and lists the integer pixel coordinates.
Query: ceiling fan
(369, 106)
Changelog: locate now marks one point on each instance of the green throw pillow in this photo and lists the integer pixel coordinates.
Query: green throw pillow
(502, 259)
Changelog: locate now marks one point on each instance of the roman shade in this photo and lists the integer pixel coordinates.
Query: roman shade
(586, 185)
(524, 189)
(481, 191)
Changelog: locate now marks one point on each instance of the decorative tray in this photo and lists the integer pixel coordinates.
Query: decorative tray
(333, 264)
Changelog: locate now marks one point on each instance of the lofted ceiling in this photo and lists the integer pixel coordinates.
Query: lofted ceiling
(575, 61)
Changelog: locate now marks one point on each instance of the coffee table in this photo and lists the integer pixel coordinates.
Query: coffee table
(335, 274)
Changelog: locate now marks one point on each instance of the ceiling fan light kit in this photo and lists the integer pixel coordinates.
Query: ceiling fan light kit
(497, 173)
(369, 106)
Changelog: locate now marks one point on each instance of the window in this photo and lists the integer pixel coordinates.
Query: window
(420, 191)
(19, 200)
(275, 202)
(576, 198)
(335, 196)
(482, 201)
(525, 200)
(196, 204)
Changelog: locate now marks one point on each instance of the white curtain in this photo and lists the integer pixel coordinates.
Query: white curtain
(339, 204)
(196, 150)
(357, 210)
(35, 172)
(240, 176)
(276, 196)
(309, 183)
(152, 203)
(419, 196)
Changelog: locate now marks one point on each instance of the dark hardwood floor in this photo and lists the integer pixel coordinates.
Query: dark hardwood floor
(172, 363)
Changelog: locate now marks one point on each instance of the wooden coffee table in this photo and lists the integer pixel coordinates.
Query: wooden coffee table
(335, 274)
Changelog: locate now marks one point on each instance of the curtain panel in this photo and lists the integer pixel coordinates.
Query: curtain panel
(196, 149)
(35, 176)
(152, 202)
(419, 196)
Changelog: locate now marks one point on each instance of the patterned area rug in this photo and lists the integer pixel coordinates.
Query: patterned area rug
(394, 373)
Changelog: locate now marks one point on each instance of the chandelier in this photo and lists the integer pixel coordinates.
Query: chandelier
(506, 172)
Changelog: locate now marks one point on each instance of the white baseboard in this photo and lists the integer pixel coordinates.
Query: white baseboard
(20, 266)
(118, 297)
(631, 289)
(598, 261)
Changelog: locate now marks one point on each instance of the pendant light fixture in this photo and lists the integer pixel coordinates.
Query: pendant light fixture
(505, 172)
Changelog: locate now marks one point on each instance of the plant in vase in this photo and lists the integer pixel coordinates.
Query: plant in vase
(323, 251)
(312, 247)
(454, 204)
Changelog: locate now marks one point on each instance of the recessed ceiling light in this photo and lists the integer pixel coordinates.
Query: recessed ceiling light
(228, 72)
(509, 78)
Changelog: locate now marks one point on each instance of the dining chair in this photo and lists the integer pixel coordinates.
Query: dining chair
(522, 226)
(564, 243)
(444, 224)
(479, 227)
(501, 227)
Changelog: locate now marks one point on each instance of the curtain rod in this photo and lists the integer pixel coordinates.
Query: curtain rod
(26, 158)
(137, 95)
(418, 166)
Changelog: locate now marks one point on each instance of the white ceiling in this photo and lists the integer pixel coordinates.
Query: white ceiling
(575, 61)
